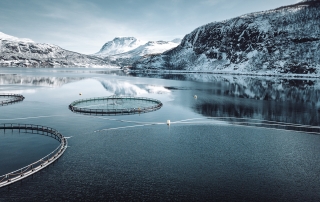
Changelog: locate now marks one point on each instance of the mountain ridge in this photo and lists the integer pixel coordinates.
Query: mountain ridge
(271, 41)
(119, 45)
(127, 58)
(27, 53)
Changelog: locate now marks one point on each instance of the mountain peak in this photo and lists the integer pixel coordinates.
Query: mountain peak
(176, 40)
(302, 3)
(151, 47)
(7, 37)
(124, 38)
(119, 45)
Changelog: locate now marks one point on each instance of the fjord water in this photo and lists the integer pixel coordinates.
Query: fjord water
(138, 157)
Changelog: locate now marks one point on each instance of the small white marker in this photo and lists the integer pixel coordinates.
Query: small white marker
(195, 96)
(168, 122)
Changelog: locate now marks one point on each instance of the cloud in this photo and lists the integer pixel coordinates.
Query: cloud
(80, 25)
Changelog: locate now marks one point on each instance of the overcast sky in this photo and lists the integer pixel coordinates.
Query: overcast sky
(85, 25)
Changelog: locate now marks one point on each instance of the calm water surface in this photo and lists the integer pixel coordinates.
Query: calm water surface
(138, 157)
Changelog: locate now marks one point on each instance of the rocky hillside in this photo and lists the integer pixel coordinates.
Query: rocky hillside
(26, 53)
(283, 40)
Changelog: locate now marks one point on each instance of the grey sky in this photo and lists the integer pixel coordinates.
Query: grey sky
(84, 26)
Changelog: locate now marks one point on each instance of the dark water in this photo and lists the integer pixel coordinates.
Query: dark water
(21, 149)
(111, 158)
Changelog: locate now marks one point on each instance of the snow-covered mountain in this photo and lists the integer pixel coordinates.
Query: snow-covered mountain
(4, 36)
(26, 53)
(119, 45)
(283, 40)
(177, 40)
(150, 48)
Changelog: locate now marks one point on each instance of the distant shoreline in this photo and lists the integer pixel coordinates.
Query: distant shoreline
(227, 73)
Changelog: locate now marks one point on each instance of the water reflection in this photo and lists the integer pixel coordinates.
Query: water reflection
(266, 161)
(278, 99)
(262, 88)
(282, 100)
(266, 98)
(289, 113)
(8, 79)
(117, 87)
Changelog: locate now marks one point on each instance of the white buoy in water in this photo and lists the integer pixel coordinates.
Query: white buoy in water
(195, 96)
(168, 122)
(80, 93)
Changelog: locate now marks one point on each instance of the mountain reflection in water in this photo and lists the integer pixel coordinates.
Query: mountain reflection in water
(201, 156)
(290, 100)
(6, 79)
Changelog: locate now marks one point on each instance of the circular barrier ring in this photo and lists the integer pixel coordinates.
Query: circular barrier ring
(42, 163)
(12, 98)
(115, 105)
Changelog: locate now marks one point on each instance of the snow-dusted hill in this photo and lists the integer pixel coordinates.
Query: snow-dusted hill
(150, 48)
(124, 51)
(177, 40)
(4, 36)
(283, 40)
(26, 53)
(119, 45)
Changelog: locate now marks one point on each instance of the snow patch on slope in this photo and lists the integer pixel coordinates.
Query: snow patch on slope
(7, 37)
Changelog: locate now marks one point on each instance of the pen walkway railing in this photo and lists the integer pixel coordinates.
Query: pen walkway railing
(34, 167)
(12, 98)
(118, 111)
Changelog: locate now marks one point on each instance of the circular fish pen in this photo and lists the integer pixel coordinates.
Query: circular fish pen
(7, 98)
(35, 167)
(115, 105)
